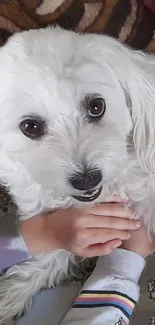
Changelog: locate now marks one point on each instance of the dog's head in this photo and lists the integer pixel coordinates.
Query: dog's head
(65, 110)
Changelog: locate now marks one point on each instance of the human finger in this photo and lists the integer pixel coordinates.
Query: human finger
(92, 221)
(100, 249)
(93, 236)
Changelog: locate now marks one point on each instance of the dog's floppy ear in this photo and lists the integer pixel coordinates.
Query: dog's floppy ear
(135, 72)
(140, 87)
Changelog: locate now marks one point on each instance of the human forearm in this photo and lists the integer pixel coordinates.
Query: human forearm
(110, 293)
(38, 235)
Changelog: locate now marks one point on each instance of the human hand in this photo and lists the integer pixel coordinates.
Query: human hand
(140, 242)
(87, 233)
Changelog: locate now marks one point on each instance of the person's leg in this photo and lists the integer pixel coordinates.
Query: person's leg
(50, 306)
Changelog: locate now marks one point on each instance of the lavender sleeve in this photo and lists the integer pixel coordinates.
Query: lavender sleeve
(13, 249)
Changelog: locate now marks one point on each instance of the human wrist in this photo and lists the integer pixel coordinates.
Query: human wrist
(35, 232)
(140, 243)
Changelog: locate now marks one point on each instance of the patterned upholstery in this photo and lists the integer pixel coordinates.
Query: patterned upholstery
(129, 20)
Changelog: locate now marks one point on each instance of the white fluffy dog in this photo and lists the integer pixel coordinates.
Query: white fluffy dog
(77, 122)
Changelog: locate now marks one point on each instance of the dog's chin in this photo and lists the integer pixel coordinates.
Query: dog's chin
(88, 196)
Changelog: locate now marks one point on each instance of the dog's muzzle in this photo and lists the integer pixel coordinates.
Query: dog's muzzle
(89, 196)
(88, 185)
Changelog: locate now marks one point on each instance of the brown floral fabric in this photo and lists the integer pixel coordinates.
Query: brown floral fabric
(129, 20)
(150, 4)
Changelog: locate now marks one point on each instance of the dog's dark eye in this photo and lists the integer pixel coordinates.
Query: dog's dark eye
(32, 129)
(96, 108)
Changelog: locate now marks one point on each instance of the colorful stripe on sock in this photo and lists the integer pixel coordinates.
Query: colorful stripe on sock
(97, 298)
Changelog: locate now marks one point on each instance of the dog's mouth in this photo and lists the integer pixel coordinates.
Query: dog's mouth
(88, 196)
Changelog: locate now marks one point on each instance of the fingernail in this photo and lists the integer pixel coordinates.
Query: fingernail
(128, 235)
(138, 224)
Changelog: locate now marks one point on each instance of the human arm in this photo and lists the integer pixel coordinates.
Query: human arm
(85, 233)
(110, 294)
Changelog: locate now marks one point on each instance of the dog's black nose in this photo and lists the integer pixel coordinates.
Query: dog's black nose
(87, 180)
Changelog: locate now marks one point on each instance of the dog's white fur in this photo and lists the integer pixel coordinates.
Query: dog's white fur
(48, 73)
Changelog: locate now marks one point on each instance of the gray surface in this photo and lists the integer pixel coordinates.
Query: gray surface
(50, 306)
